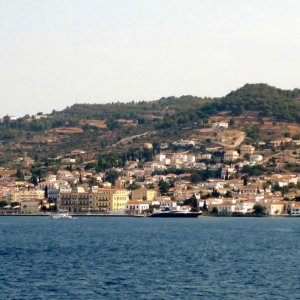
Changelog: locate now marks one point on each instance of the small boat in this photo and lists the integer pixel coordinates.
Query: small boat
(61, 216)
(175, 214)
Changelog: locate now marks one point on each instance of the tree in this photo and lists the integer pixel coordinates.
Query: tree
(34, 180)
(46, 192)
(20, 175)
(3, 203)
(195, 178)
(147, 154)
(258, 209)
(215, 211)
(163, 187)
(111, 176)
(192, 202)
(80, 178)
(228, 194)
(215, 193)
(231, 122)
(134, 186)
(90, 165)
(204, 207)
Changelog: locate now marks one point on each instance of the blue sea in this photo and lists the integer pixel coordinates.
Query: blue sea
(144, 258)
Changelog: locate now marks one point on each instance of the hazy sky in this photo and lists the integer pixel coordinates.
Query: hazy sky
(55, 53)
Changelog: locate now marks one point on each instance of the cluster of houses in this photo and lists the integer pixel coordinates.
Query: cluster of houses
(137, 189)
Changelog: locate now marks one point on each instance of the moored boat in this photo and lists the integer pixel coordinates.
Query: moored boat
(61, 216)
(176, 214)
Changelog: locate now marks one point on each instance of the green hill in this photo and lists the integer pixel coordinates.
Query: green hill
(267, 100)
(164, 119)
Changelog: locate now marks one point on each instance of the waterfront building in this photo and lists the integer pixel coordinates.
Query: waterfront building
(295, 210)
(107, 199)
(25, 195)
(76, 201)
(136, 207)
(30, 207)
(144, 194)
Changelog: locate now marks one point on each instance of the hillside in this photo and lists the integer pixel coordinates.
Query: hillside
(95, 127)
(268, 101)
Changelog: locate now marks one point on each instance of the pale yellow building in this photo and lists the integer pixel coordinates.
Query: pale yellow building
(25, 195)
(144, 194)
(30, 207)
(247, 149)
(274, 209)
(231, 155)
(110, 199)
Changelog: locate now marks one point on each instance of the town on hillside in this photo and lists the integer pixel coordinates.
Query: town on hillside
(227, 176)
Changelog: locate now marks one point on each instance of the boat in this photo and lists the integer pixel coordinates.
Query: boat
(61, 215)
(167, 213)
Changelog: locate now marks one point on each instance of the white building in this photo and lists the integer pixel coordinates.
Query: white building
(137, 207)
(220, 125)
(185, 143)
(255, 158)
(206, 156)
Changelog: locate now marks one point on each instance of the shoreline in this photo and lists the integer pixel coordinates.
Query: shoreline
(73, 215)
(142, 216)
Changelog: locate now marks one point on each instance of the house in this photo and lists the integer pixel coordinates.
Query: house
(68, 161)
(274, 209)
(148, 146)
(161, 157)
(184, 143)
(282, 141)
(252, 189)
(295, 209)
(247, 149)
(296, 142)
(144, 194)
(53, 188)
(290, 156)
(231, 155)
(206, 156)
(228, 172)
(245, 207)
(223, 208)
(7, 174)
(220, 124)
(30, 207)
(255, 158)
(172, 205)
(25, 195)
(136, 207)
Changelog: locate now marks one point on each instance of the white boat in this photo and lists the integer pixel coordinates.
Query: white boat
(61, 216)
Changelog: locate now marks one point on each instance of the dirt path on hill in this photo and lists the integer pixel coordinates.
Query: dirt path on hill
(130, 138)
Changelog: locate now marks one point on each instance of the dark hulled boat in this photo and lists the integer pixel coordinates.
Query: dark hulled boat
(176, 214)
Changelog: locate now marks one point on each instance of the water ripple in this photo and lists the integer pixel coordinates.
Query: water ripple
(128, 258)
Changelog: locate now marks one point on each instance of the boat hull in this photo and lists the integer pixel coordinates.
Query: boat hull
(176, 215)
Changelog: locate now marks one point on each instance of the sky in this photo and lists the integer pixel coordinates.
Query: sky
(54, 53)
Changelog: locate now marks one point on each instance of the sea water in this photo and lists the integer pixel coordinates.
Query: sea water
(145, 258)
